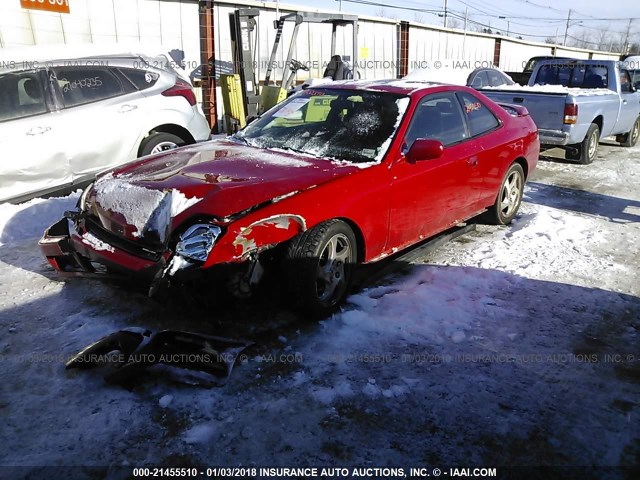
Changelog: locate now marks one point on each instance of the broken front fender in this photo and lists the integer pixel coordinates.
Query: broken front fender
(239, 243)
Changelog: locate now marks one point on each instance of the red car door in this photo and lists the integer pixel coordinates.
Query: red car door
(428, 196)
(492, 152)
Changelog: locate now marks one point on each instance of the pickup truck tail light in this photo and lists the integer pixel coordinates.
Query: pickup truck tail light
(570, 113)
(181, 89)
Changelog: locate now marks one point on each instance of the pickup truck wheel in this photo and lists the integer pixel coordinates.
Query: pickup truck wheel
(588, 149)
(509, 197)
(320, 266)
(159, 142)
(630, 139)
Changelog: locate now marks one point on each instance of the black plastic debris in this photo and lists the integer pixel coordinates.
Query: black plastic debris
(139, 350)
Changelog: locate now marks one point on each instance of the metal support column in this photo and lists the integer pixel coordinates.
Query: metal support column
(403, 49)
(207, 59)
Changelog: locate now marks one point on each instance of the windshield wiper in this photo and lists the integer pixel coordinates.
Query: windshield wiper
(239, 139)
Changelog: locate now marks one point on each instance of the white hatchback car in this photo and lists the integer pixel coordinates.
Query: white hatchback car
(63, 121)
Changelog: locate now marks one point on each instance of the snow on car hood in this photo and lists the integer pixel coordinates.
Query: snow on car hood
(143, 209)
(218, 179)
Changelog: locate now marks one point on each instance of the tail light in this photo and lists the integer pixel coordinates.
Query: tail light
(181, 89)
(570, 113)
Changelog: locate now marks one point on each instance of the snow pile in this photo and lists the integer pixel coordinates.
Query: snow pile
(28, 220)
(545, 243)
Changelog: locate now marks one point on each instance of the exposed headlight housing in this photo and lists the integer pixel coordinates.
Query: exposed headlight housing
(197, 241)
(83, 198)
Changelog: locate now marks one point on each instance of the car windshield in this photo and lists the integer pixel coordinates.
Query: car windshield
(351, 125)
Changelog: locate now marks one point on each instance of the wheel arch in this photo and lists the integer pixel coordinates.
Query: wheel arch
(360, 242)
(599, 122)
(523, 163)
(173, 129)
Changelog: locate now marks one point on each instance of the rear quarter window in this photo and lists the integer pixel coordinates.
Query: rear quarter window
(80, 86)
(140, 78)
(479, 118)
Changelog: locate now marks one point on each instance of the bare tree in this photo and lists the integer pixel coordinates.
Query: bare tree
(380, 12)
(454, 23)
(603, 38)
(580, 39)
(550, 40)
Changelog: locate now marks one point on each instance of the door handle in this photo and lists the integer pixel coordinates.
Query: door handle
(473, 161)
(38, 130)
(127, 108)
(624, 102)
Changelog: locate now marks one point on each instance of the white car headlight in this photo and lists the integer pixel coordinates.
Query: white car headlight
(197, 241)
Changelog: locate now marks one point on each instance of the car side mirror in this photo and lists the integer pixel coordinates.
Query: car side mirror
(423, 149)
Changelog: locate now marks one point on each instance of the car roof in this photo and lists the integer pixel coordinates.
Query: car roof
(393, 85)
(28, 58)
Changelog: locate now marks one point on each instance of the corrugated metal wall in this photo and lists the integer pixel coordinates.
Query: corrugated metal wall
(427, 44)
(513, 55)
(174, 24)
(167, 23)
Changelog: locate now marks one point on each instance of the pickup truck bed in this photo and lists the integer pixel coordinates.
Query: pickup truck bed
(575, 118)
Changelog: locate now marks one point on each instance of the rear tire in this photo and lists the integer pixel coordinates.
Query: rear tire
(586, 151)
(509, 197)
(319, 267)
(631, 138)
(159, 142)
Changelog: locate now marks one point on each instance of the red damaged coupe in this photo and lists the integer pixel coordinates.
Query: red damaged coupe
(330, 178)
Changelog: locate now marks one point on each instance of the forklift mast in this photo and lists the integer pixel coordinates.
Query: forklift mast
(242, 25)
(245, 83)
(335, 20)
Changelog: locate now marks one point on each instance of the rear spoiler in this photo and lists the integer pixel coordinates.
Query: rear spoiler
(515, 110)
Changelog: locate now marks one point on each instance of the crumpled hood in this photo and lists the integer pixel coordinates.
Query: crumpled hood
(219, 178)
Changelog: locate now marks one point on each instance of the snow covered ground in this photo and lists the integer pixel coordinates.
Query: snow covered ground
(507, 346)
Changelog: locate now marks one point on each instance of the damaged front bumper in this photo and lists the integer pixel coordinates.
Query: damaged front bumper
(74, 250)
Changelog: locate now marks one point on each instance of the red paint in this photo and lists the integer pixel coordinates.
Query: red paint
(392, 204)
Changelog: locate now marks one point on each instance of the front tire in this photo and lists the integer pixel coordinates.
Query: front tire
(509, 198)
(587, 150)
(320, 265)
(158, 142)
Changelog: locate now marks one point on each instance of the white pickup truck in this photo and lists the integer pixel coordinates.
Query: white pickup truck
(576, 102)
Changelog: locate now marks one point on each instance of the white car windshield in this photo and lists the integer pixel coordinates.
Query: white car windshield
(351, 125)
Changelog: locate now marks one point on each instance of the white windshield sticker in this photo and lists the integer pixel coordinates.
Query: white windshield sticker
(292, 107)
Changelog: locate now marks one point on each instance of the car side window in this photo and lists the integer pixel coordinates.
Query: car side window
(438, 117)
(85, 85)
(21, 95)
(479, 118)
(625, 82)
(480, 80)
(142, 79)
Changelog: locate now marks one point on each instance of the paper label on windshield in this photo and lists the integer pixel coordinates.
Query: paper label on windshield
(292, 107)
